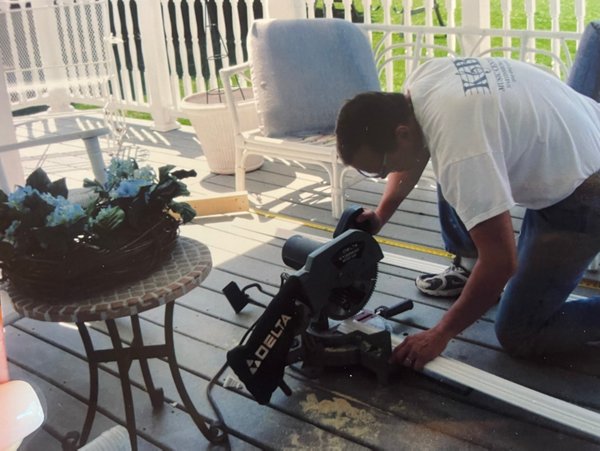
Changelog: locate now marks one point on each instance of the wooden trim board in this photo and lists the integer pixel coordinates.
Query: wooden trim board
(220, 203)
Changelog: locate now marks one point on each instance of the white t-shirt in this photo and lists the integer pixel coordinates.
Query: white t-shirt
(502, 132)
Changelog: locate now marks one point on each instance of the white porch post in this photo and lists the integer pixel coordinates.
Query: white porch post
(11, 171)
(154, 49)
(285, 9)
(55, 70)
(476, 14)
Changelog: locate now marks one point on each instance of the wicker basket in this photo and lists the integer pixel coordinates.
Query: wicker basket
(87, 270)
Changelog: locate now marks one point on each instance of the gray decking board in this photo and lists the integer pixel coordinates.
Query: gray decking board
(63, 411)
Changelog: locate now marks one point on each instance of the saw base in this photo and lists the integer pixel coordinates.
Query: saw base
(329, 348)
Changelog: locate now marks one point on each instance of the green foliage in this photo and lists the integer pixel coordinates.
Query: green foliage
(39, 220)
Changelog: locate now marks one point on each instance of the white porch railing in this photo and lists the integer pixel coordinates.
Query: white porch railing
(149, 54)
(54, 52)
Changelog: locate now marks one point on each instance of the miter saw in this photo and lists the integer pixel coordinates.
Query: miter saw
(333, 280)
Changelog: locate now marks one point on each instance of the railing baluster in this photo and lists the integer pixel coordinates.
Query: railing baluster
(367, 5)
(328, 8)
(70, 49)
(451, 23)
(237, 33)
(85, 32)
(408, 37)
(530, 9)
(555, 26)
(123, 89)
(223, 50)
(17, 89)
(506, 13)
(33, 59)
(429, 23)
(310, 5)
(348, 10)
(196, 54)
(580, 15)
(173, 79)
(186, 80)
(386, 5)
(135, 61)
(407, 6)
(212, 82)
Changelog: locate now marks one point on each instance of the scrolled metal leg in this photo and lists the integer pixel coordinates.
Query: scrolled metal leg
(210, 430)
(157, 397)
(93, 368)
(124, 363)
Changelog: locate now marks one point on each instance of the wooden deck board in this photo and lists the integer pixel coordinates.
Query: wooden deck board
(345, 408)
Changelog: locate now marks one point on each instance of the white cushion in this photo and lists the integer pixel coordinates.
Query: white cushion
(304, 69)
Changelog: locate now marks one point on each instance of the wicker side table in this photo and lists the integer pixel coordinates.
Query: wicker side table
(188, 267)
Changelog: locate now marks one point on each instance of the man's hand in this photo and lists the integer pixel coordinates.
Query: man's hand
(372, 219)
(496, 263)
(417, 350)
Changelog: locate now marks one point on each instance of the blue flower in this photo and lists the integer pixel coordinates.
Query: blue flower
(65, 213)
(18, 196)
(9, 233)
(129, 188)
(145, 173)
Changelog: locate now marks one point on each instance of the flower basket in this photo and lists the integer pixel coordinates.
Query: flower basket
(89, 269)
(59, 250)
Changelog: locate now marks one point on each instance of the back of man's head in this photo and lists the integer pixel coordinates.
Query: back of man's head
(370, 120)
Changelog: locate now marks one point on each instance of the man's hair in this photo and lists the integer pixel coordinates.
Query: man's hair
(370, 119)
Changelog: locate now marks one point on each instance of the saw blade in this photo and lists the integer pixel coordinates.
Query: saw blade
(347, 300)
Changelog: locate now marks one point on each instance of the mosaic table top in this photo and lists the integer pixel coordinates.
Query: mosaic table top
(189, 265)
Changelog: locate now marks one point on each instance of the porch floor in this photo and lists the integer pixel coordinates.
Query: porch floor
(344, 408)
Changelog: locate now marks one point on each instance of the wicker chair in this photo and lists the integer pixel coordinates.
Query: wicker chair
(302, 71)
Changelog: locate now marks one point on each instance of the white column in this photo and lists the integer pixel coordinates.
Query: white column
(55, 70)
(475, 14)
(285, 9)
(157, 71)
(11, 171)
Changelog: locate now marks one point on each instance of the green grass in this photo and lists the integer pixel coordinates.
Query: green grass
(542, 21)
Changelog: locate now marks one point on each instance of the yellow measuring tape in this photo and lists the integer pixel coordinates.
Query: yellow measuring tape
(380, 240)
(585, 283)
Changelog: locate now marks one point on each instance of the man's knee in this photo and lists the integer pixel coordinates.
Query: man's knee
(514, 342)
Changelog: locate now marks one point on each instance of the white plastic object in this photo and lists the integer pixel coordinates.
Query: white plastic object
(20, 413)
(114, 439)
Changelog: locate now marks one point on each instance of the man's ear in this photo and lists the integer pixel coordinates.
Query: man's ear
(402, 132)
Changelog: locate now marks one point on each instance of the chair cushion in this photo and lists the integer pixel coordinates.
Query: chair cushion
(304, 69)
(585, 73)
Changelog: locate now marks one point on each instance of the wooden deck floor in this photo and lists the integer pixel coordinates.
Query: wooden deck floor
(344, 408)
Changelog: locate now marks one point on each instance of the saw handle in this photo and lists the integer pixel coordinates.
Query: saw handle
(388, 312)
(348, 221)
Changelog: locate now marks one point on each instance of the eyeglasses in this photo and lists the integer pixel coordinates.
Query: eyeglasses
(381, 174)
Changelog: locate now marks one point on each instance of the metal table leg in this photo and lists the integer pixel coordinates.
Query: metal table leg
(124, 357)
(157, 397)
(124, 360)
(210, 430)
(93, 367)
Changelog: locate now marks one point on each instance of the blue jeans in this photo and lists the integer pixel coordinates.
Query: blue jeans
(555, 246)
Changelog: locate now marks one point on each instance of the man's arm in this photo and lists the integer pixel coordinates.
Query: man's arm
(496, 263)
(399, 184)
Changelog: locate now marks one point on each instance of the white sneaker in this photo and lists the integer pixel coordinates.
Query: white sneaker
(448, 283)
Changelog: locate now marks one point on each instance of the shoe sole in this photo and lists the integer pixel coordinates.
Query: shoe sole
(436, 293)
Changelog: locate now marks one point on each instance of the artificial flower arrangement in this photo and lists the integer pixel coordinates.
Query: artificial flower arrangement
(60, 249)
